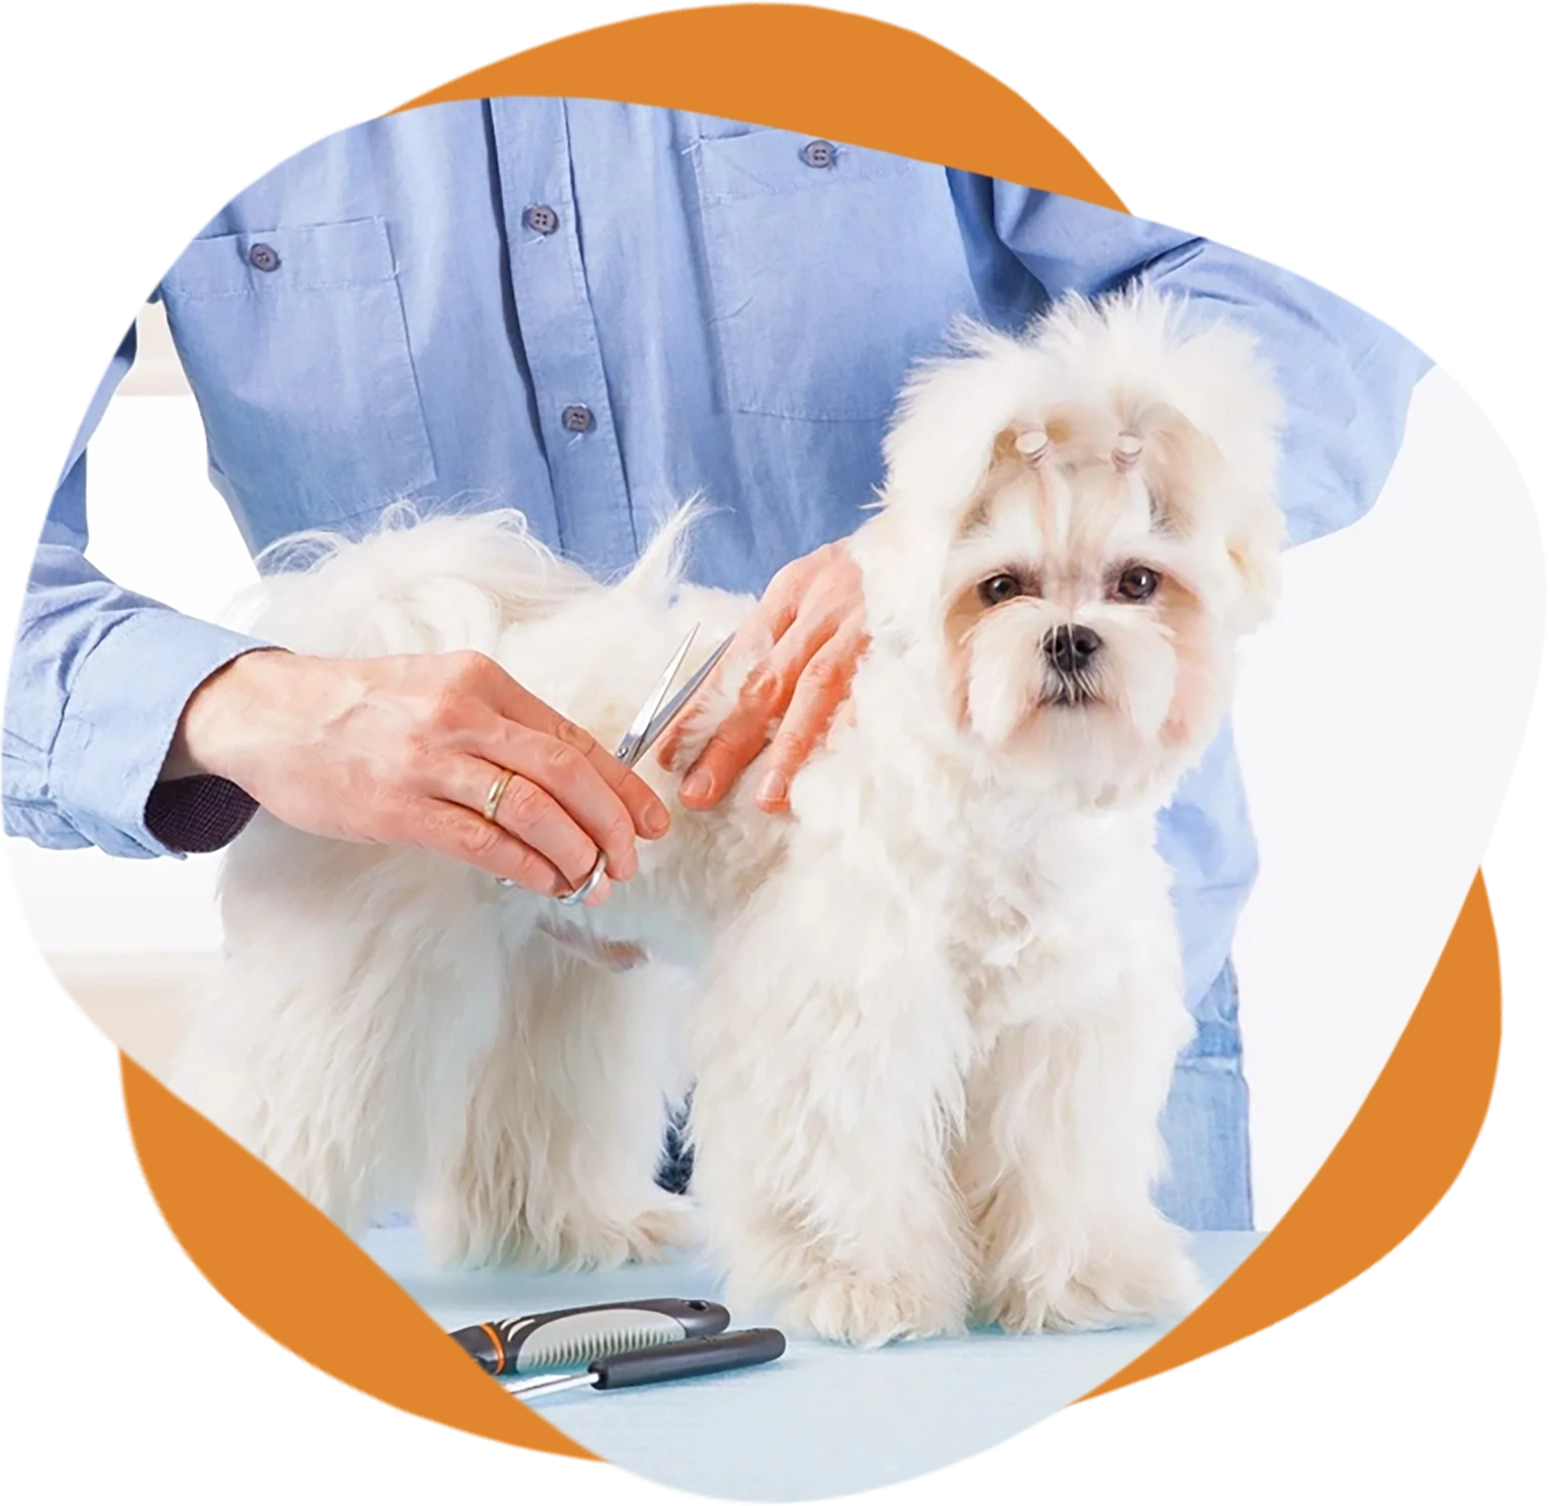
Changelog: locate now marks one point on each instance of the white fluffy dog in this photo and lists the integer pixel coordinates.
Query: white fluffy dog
(932, 1016)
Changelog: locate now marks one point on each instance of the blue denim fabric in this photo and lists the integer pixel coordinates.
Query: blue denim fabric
(1206, 1121)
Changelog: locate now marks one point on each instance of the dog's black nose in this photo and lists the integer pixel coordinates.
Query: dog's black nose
(1070, 649)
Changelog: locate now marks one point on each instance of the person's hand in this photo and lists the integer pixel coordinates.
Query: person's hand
(814, 615)
(407, 750)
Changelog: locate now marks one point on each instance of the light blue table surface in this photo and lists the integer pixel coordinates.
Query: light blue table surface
(821, 1421)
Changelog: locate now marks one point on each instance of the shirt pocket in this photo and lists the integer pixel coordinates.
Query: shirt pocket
(832, 268)
(296, 346)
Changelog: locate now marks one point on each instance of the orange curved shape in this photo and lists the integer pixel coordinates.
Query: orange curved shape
(805, 69)
(298, 1278)
(1401, 1153)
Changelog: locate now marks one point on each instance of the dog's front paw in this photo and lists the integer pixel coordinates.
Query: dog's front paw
(572, 1239)
(1153, 1281)
(868, 1311)
(658, 1232)
(647, 1235)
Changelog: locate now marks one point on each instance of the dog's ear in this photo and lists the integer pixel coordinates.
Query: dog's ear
(1225, 504)
(1254, 549)
(1226, 393)
(1203, 412)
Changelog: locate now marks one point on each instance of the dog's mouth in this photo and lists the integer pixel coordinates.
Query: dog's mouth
(1071, 691)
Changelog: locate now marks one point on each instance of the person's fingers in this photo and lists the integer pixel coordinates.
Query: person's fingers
(648, 815)
(745, 648)
(559, 773)
(734, 744)
(763, 628)
(514, 704)
(765, 696)
(616, 956)
(457, 832)
(820, 692)
(530, 813)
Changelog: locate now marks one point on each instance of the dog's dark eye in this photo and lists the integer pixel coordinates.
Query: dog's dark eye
(1000, 588)
(1137, 583)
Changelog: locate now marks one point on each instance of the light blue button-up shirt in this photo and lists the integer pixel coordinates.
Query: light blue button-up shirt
(383, 316)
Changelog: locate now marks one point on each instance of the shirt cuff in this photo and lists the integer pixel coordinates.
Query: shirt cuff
(119, 721)
(201, 814)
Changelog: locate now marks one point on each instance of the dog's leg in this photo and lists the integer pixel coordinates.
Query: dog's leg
(1057, 1167)
(828, 1061)
(337, 1038)
(556, 1166)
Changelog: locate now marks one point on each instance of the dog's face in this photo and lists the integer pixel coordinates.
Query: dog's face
(1080, 633)
(1106, 533)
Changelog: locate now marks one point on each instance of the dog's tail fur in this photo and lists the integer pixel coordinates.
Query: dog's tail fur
(656, 575)
(431, 584)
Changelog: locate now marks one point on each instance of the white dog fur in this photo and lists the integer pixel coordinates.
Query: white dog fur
(932, 1016)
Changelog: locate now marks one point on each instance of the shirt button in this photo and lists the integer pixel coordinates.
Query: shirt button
(818, 154)
(265, 258)
(576, 419)
(542, 218)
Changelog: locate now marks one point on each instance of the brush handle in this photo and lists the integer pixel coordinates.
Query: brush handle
(703, 1356)
(575, 1336)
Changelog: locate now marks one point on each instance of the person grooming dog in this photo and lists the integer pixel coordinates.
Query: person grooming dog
(590, 310)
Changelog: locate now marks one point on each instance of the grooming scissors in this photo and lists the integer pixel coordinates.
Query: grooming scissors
(651, 721)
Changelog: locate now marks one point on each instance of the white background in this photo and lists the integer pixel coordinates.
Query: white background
(1383, 626)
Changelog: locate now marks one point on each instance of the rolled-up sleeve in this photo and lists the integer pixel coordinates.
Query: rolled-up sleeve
(1346, 378)
(99, 678)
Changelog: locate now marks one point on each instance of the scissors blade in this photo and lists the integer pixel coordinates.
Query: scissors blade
(636, 740)
(665, 716)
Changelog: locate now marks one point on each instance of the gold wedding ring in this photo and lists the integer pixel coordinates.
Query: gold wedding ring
(492, 801)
